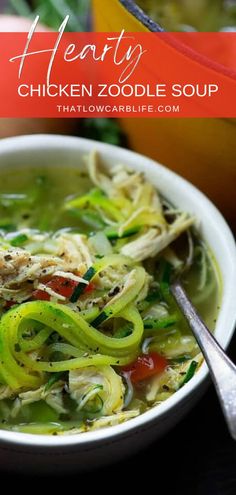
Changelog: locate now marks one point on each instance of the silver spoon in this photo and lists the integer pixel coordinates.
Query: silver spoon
(222, 369)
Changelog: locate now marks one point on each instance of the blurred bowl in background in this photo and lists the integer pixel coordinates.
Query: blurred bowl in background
(202, 150)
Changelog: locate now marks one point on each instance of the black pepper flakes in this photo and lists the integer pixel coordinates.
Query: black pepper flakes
(165, 387)
(114, 292)
(8, 257)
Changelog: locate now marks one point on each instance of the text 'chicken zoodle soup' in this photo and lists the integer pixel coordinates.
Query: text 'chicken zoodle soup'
(90, 335)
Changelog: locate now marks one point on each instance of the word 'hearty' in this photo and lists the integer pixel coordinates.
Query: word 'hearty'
(125, 52)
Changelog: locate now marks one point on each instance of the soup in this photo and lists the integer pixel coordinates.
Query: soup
(90, 335)
(192, 15)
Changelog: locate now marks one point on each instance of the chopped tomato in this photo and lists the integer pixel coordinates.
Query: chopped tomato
(146, 366)
(90, 287)
(63, 286)
(40, 295)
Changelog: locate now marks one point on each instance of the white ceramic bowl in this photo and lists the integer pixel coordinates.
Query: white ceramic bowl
(49, 453)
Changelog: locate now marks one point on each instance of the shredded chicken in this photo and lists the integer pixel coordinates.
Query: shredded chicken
(98, 178)
(11, 263)
(103, 381)
(113, 420)
(18, 266)
(171, 378)
(52, 396)
(5, 392)
(152, 242)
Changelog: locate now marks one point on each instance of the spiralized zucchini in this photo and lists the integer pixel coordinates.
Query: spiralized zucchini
(82, 337)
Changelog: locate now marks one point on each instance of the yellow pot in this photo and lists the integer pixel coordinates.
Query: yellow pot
(202, 150)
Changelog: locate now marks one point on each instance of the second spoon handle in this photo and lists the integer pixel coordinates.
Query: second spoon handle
(222, 370)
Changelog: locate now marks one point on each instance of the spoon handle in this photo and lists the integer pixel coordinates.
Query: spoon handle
(222, 370)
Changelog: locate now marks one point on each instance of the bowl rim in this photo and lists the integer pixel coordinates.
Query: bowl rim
(134, 9)
(112, 434)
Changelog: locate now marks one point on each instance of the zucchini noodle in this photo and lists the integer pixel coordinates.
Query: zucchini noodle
(81, 336)
(98, 199)
(114, 307)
